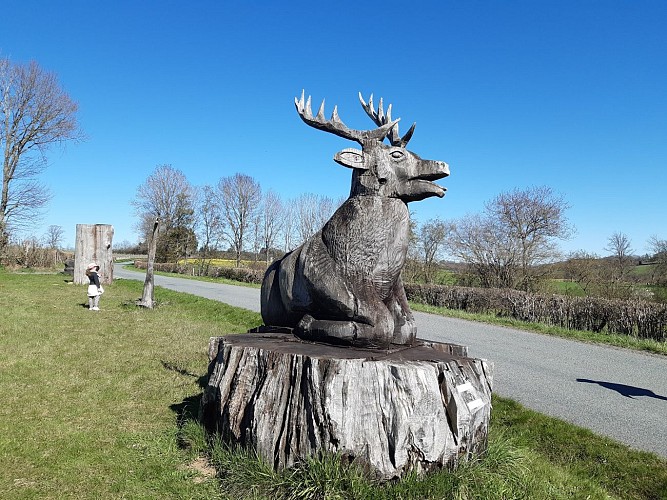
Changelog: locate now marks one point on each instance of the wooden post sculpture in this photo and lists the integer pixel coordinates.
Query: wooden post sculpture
(148, 296)
(337, 367)
(93, 244)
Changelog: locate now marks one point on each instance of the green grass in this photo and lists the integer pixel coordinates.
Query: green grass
(659, 292)
(90, 401)
(643, 270)
(579, 453)
(612, 339)
(530, 456)
(103, 405)
(564, 287)
(445, 277)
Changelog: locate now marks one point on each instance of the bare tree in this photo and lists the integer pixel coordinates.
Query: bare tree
(657, 246)
(53, 238)
(504, 245)
(659, 249)
(289, 227)
(616, 270)
(256, 230)
(412, 268)
(433, 236)
(325, 209)
(620, 248)
(209, 224)
(36, 114)
(306, 216)
(534, 218)
(239, 197)
(272, 222)
(124, 247)
(312, 212)
(585, 269)
(485, 245)
(168, 196)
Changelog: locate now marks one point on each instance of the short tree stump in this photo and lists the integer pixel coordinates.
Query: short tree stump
(395, 410)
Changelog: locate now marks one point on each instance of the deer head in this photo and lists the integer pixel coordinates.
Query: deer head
(379, 169)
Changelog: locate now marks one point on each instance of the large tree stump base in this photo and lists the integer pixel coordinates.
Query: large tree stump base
(395, 410)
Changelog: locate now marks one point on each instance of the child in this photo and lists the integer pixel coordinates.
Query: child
(94, 288)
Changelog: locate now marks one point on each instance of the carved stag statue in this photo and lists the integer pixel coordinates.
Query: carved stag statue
(343, 285)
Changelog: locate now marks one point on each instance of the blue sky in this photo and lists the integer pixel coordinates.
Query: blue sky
(512, 94)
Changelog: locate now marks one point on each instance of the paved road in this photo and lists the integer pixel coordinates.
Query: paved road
(615, 392)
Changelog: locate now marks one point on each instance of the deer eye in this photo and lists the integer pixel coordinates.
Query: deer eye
(397, 154)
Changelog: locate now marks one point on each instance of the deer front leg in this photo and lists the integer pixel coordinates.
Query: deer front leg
(405, 328)
(361, 319)
(347, 332)
(365, 321)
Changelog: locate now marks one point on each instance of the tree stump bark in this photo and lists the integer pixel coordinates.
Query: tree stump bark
(405, 409)
(93, 244)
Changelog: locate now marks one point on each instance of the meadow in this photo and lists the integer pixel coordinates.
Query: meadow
(104, 405)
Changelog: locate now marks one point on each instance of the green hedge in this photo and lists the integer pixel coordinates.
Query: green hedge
(637, 318)
(232, 273)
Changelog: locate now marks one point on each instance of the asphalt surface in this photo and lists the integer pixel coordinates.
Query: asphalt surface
(614, 392)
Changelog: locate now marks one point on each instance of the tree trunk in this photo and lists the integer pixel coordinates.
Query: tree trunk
(148, 297)
(405, 409)
(93, 244)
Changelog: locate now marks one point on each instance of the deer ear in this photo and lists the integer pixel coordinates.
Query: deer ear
(352, 158)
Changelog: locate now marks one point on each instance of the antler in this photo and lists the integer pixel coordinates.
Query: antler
(335, 126)
(381, 119)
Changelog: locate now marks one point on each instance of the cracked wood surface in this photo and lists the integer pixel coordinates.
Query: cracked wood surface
(397, 410)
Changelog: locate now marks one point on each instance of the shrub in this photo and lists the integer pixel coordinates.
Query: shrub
(243, 275)
(638, 318)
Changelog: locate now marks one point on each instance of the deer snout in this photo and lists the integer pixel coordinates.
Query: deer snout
(419, 185)
(431, 170)
(444, 168)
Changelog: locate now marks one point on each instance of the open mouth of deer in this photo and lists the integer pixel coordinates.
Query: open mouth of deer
(422, 186)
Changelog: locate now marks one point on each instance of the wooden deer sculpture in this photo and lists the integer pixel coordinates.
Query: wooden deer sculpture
(343, 285)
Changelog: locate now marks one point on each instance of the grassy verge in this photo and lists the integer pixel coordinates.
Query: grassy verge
(624, 341)
(91, 401)
(582, 455)
(103, 405)
(530, 456)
